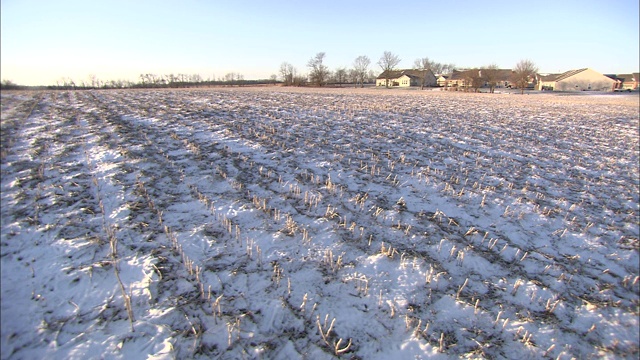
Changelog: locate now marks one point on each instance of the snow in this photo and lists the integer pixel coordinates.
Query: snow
(299, 223)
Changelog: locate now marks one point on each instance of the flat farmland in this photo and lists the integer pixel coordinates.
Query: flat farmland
(274, 223)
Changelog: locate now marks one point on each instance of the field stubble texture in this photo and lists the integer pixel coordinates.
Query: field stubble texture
(318, 224)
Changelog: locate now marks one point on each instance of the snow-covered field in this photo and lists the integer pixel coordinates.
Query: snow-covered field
(313, 224)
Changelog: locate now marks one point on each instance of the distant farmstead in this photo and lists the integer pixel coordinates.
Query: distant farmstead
(406, 78)
(577, 80)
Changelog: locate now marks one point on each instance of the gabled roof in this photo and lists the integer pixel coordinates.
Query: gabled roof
(568, 74)
(549, 77)
(462, 74)
(504, 74)
(412, 73)
(626, 77)
(501, 74)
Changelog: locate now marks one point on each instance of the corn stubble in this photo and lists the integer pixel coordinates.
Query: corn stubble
(404, 217)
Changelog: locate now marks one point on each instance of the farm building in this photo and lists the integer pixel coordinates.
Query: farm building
(406, 78)
(577, 80)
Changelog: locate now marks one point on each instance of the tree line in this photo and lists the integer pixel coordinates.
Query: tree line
(147, 80)
(320, 75)
(150, 80)
(359, 73)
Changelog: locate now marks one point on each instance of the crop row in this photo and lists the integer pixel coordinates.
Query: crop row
(318, 223)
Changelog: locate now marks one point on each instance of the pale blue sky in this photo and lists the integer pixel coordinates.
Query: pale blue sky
(46, 40)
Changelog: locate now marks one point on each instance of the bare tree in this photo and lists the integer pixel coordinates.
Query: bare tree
(360, 66)
(8, 84)
(353, 77)
(436, 67)
(282, 72)
(447, 68)
(95, 83)
(273, 78)
(425, 65)
(288, 72)
(340, 76)
(388, 62)
(477, 79)
(422, 63)
(491, 75)
(299, 80)
(319, 72)
(371, 76)
(229, 77)
(171, 79)
(115, 84)
(474, 79)
(523, 73)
